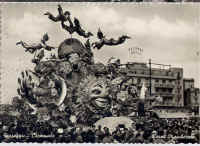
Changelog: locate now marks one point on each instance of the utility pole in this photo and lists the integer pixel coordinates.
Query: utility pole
(150, 77)
(150, 73)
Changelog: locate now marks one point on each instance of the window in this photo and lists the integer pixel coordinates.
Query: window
(170, 90)
(156, 80)
(164, 81)
(178, 76)
(139, 80)
(157, 89)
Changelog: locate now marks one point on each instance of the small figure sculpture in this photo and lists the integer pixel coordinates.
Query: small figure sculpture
(63, 17)
(110, 42)
(60, 17)
(30, 48)
(76, 27)
(87, 44)
(88, 57)
(34, 47)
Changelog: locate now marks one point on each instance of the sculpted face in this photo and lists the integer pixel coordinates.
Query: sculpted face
(95, 95)
(64, 68)
(74, 58)
(94, 101)
(99, 94)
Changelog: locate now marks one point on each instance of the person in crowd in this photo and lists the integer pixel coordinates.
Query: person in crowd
(99, 134)
(143, 130)
(107, 136)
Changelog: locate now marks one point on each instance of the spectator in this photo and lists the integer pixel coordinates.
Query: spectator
(99, 134)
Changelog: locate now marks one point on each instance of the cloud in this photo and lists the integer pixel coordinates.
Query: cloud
(114, 20)
(178, 29)
(103, 16)
(30, 26)
(159, 27)
(155, 35)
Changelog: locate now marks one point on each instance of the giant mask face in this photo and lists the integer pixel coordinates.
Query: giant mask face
(99, 94)
(94, 99)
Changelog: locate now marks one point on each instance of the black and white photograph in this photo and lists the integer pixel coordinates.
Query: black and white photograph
(100, 73)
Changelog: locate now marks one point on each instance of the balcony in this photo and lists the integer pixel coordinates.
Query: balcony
(160, 85)
(164, 85)
(164, 94)
(132, 74)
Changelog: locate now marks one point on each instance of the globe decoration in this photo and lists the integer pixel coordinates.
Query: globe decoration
(69, 46)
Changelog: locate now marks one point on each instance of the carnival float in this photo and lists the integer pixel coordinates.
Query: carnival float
(71, 84)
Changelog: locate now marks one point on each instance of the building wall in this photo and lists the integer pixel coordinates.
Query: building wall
(168, 83)
(195, 97)
(191, 94)
(188, 84)
(178, 90)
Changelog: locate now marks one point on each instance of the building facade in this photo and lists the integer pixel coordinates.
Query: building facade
(167, 83)
(191, 94)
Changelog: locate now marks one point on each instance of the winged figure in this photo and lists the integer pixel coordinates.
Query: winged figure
(32, 48)
(62, 16)
(75, 27)
(110, 42)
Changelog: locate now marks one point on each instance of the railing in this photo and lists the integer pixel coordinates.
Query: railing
(152, 76)
(165, 85)
(163, 94)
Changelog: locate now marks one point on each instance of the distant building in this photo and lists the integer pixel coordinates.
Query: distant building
(191, 94)
(167, 83)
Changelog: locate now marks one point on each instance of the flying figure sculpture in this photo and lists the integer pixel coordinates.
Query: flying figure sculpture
(62, 16)
(110, 42)
(33, 48)
(72, 26)
(76, 27)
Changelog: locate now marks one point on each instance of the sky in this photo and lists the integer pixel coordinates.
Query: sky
(167, 33)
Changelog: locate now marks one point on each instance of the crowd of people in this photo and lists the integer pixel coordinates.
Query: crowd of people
(143, 130)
